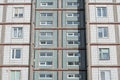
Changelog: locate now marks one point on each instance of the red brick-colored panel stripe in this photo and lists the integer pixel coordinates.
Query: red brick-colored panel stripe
(59, 9)
(60, 48)
(101, 44)
(2, 4)
(97, 3)
(105, 23)
(59, 28)
(15, 23)
(58, 70)
(4, 66)
(14, 44)
(105, 66)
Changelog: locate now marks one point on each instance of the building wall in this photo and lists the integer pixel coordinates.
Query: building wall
(95, 42)
(8, 22)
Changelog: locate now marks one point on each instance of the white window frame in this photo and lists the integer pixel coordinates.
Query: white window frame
(46, 76)
(106, 76)
(46, 22)
(18, 33)
(73, 23)
(46, 34)
(102, 12)
(46, 14)
(46, 54)
(46, 3)
(72, 34)
(73, 41)
(73, 54)
(102, 54)
(73, 76)
(72, 14)
(13, 54)
(46, 42)
(101, 30)
(74, 63)
(45, 63)
(73, 4)
(18, 11)
(15, 74)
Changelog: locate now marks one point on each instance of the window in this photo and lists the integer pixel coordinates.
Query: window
(16, 53)
(72, 14)
(46, 14)
(73, 42)
(73, 63)
(73, 22)
(15, 75)
(46, 75)
(101, 11)
(73, 54)
(46, 42)
(46, 22)
(47, 63)
(102, 32)
(18, 12)
(73, 34)
(72, 4)
(46, 34)
(46, 54)
(46, 3)
(73, 75)
(105, 75)
(17, 32)
(104, 54)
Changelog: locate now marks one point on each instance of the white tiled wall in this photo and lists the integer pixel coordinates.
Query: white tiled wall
(96, 39)
(103, 1)
(96, 73)
(26, 14)
(6, 73)
(24, 56)
(26, 34)
(93, 14)
(95, 56)
(1, 13)
(18, 1)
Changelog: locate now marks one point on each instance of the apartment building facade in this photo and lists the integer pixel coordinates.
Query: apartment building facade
(59, 39)
(14, 39)
(103, 32)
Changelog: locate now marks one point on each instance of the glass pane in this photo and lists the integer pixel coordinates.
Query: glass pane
(42, 75)
(75, 42)
(49, 42)
(17, 76)
(12, 75)
(50, 3)
(13, 54)
(104, 12)
(42, 54)
(70, 54)
(43, 14)
(105, 32)
(70, 42)
(43, 34)
(49, 22)
(43, 42)
(49, 54)
(19, 32)
(49, 33)
(70, 63)
(77, 75)
(15, 32)
(49, 63)
(18, 54)
(49, 75)
(69, 22)
(69, 3)
(49, 14)
(102, 75)
(99, 12)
